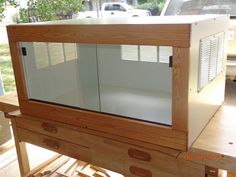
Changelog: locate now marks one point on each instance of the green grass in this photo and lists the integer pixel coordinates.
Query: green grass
(6, 69)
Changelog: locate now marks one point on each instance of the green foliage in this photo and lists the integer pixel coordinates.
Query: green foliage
(47, 10)
(1, 9)
(6, 69)
(155, 6)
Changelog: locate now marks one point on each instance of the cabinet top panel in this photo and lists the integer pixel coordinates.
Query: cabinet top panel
(185, 19)
(163, 31)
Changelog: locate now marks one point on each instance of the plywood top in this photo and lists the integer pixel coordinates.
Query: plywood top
(9, 102)
(220, 134)
(186, 19)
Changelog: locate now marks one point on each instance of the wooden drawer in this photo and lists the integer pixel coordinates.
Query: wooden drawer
(76, 133)
(54, 144)
(108, 153)
(114, 162)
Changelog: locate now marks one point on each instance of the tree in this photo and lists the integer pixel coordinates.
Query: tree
(47, 10)
(155, 6)
(3, 4)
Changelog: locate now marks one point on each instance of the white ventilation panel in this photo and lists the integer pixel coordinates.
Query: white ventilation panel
(210, 59)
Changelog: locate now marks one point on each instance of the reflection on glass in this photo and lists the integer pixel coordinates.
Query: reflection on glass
(148, 53)
(129, 52)
(197, 7)
(164, 53)
(41, 55)
(141, 90)
(68, 82)
(56, 53)
(70, 51)
(98, 78)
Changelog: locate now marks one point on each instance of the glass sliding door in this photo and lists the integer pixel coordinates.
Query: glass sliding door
(126, 80)
(135, 83)
(62, 73)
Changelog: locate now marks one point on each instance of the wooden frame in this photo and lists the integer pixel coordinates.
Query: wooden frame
(172, 34)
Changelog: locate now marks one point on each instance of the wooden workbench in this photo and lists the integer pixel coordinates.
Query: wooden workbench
(215, 147)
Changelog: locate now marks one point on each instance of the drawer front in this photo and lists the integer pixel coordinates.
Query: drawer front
(96, 143)
(54, 144)
(124, 158)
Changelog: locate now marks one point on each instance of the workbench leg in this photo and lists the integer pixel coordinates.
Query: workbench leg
(21, 151)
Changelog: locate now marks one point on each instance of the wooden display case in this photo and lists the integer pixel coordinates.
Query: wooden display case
(77, 73)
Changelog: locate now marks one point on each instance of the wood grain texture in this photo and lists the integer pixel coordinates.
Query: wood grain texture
(18, 70)
(112, 154)
(22, 155)
(146, 34)
(115, 125)
(9, 102)
(216, 145)
(154, 35)
(180, 75)
(70, 149)
(230, 174)
(63, 130)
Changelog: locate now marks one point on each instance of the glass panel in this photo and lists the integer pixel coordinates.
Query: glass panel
(126, 80)
(70, 51)
(56, 54)
(62, 73)
(129, 52)
(140, 90)
(41, 55)
(164, 53)
(196, 7)
(148, 53)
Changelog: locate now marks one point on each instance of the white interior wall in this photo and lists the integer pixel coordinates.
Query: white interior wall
(137, 89)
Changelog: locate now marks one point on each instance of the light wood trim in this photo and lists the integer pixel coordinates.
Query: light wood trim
(216, 145)
(34, 124)
(230, 174)
(191, 169)
(111, 154)
(145, 34)
(21, 151)
(116, 125)
(43, 165)
(9, 102)
(180, 74)
(70, 149)
(18, 70)
(173, 137)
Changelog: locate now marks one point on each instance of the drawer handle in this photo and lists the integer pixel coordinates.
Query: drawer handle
(51, 143)
(140, 172)
(140, 155)
(49, 127)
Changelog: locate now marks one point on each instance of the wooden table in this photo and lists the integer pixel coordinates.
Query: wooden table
(215, 147)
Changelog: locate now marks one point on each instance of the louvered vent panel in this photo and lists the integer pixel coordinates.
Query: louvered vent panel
(220, 56)
(205, 46)
(211, 59)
